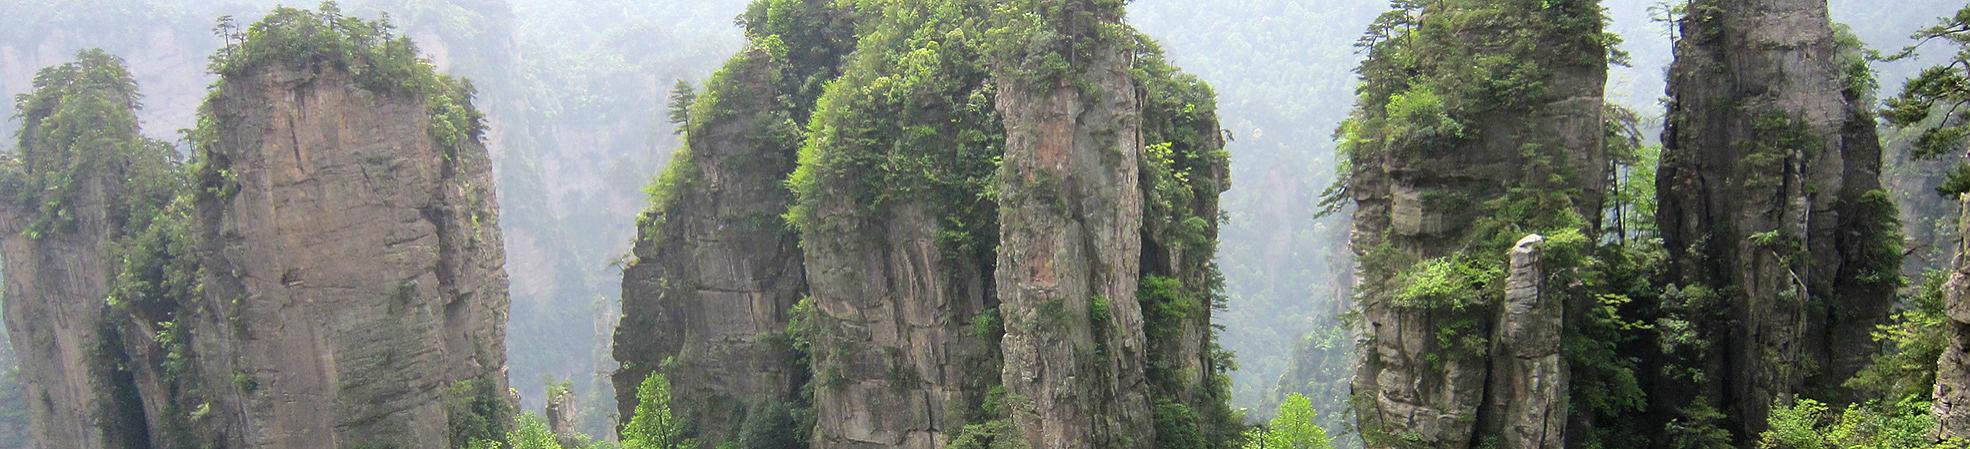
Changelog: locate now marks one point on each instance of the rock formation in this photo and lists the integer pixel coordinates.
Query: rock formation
(1070, 237)
(898, 203)
(709, 295)
(715, 273)
(355, 267)
(903, 319)
(1498, 129)
(1526, 397)
(1770, 157)
(562, 415)
(327, 273)
(1952, 397)
(79, 152)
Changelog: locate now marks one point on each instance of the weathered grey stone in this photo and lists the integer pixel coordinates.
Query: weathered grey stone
(562, 416)
(55, 287)
(1952, 396)
(1766, 156)
(716, 271)
(1070, 248)
(1526, 405)
(1419, 201)
(355, 277)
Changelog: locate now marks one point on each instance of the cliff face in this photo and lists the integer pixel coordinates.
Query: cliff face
(904, 218)
(78, 148)
(1470, 131)
(1184, 170)
(1952, 397)
(716, 273)
(354, 260)
(1070, 238)
(898, 239)
(1768, 197)
(1526, 395)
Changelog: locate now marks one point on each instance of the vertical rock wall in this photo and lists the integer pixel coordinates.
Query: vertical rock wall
(1952, 397)
(1070, 242)
(1470, 129)
(1768, 154)
(1526, 396)
(57, 274)
(716, 272)
(354, 270)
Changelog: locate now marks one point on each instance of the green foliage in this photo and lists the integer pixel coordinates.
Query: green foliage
(1417, 116)
(475, 410)
(1166, 306)
(1296, 426)
(1176, 426)
(1631, 175)
(1450, 283)
(1809, 424)
(994, 434)
(910, 122)
(769, 425)
(654, 426)
(682, 95)
(1044, 43)
(1939, 91)
(811, 39)
(371, 51)
(1778, 137)
(1698, 426)
(79, 125)
(531, 432)
(1916, 337)
(1879, 254)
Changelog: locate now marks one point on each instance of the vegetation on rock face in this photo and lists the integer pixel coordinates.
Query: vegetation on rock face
(372, 51)
(83, 169)
(909, 120)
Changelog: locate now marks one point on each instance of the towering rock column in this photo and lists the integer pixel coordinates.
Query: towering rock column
(1526, 399)
(56, 250)
(1769, 158)
(715, 272)
(1070, 242)
(1471, 129)
(354, 268)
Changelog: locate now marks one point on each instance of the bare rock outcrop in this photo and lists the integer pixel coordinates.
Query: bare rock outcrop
(1952, 397)
(1770, 157)
(716, 273)
(562, 415)
(354, 269)
(1526, 399)
(1070, 242)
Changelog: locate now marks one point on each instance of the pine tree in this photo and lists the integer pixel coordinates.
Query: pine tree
(654, 426)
